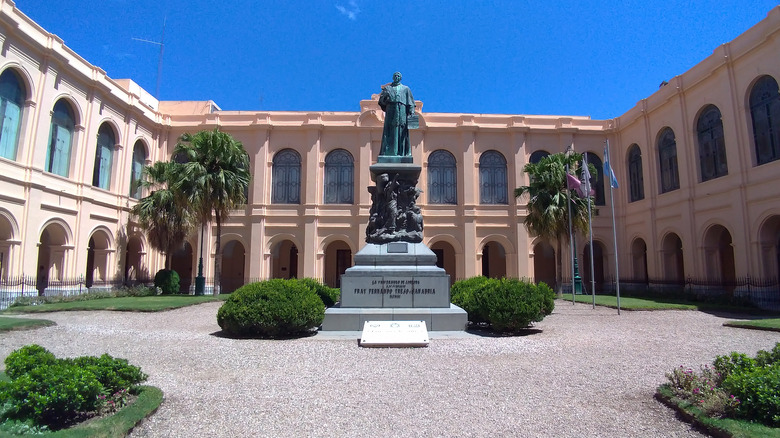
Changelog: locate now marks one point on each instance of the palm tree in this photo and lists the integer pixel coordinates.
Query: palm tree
(547, 211)
(162, 214)
(214, 179)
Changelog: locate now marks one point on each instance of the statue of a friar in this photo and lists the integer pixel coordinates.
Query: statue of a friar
(398, 104)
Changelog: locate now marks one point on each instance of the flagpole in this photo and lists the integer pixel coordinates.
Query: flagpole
(590, 228)
(571, 248)
(614, 229)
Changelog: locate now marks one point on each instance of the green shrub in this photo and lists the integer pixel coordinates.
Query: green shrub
(733, 363)
(273, 308)
(114, 374)
(167, 280)
(52, 395)
(508, 305)
(464, 294)
(26, 359)
(767, 358)
(328, 295)
(758, 391)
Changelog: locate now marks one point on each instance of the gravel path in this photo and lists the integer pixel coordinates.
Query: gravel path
(584, 373)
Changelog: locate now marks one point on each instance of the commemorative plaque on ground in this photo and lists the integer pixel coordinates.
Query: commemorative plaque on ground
(394, 334)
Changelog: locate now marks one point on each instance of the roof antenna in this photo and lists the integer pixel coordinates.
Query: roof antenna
(160, 43)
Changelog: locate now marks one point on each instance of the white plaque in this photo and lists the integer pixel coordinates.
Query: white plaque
(394, 334)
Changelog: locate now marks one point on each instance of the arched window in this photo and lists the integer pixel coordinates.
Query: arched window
(765, 113)
(60, 138)
(101, 175)
(12, 96)
(139, 159)
(442, 178)
(712, 146)
(596, 181)
(667, 156)
(635, 177)
(286, 176)
(339, 170)
(537, 155)
(492, 178)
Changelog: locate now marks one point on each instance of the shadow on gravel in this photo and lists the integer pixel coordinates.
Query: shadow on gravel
(486, 332)
(747, 314)
(226, 335)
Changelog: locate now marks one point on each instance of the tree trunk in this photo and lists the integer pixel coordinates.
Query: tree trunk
(217, 255)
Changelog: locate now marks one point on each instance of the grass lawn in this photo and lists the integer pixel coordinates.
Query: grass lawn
(772, 324)
(627, 303)
(9, 323)
(648, 303)
(127, 304)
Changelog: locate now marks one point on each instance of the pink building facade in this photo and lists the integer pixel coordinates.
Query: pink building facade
(696, 161)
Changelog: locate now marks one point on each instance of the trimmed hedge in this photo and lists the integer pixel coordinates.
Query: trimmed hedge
(328, 295)
(167, 280)
(271, 309)
(508, 305)
(51, 392)
(26, 359)
(113, 373)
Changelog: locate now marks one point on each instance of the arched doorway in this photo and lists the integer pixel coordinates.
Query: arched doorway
(338, 257)
(719, 256)
(445, 258)
(598, 266)
(639, 260)
(284, 260)
(97, 259)
(181, 262)
(6, 241)
(233, 260)
(134, 270)
(51, 256)
(769, 242)
(493, 260)
(544, 264)
(672, 254)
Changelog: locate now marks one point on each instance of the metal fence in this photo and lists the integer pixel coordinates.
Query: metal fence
(763, 293)
(28, 286)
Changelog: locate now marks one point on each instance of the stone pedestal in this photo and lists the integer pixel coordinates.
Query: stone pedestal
(395, 277)
(396, 281)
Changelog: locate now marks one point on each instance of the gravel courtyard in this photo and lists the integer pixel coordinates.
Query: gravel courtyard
(584, 372)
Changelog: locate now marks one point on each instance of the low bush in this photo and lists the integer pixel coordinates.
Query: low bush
(167, 281)
(464, 294)
(327, 294)
(270, 309)
(114, 374)
(758, 391)
(54, 393)
(733, 363)
(508, 305)
(768, 358)
(736, 386)
(26, 359)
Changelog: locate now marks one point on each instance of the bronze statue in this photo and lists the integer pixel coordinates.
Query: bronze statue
(398, 104)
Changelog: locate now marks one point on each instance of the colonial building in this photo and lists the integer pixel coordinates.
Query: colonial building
(697, 163)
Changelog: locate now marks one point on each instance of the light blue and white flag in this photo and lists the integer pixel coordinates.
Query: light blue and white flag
(608, 169)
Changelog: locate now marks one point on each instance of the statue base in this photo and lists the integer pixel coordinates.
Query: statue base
(396, 281)
(394, 159)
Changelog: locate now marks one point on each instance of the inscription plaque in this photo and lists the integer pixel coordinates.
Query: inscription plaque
(394, 334)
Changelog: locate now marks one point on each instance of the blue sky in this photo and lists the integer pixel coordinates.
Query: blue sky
(566, 57)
